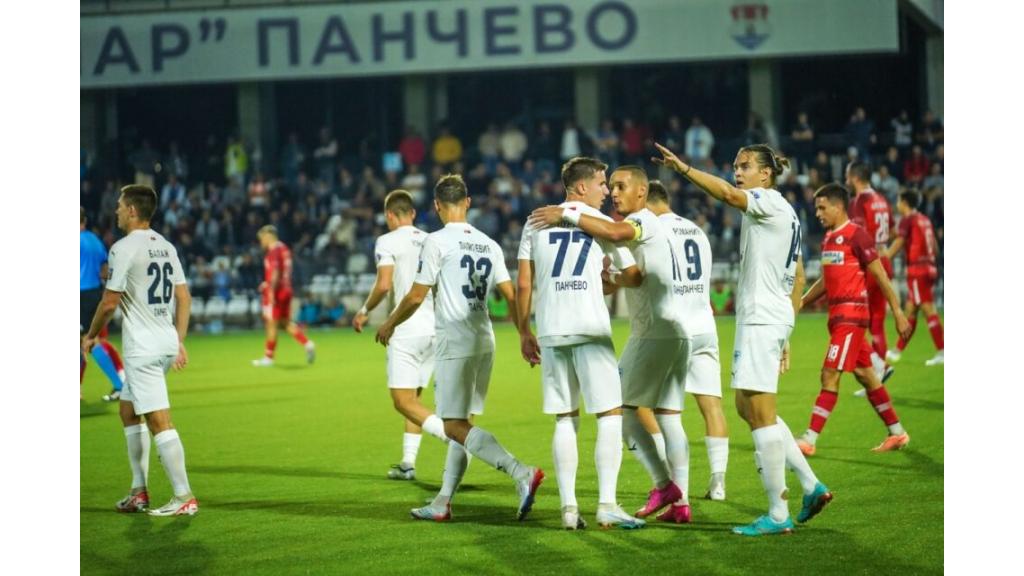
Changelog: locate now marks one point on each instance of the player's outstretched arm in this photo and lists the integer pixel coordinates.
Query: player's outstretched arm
(406, 308)
(876, 270)
(182, 313)
(713, 185)
(548, 216)
(381, 287)
(104, 313)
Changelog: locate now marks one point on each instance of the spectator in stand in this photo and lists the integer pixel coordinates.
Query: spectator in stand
(236, 161)
(259, 192)
(860, 133)
(755, 132)
(212, 166)
(447, 148)
(606, 142)
(292, 159)
(823, 166)
(884, 182)
(302, 233)
(513, 146)
(916, 167)
(674, 137)
(250, 273)
(201, 275)
(933, 184)
(632, 142)
(222, 280)
(903, 132)
(208, 232)
(570, 141)
(415, 182)
(176, 164)
(931, 133)
(370, 188)
(489, 147)
(543, 148)
(803, 141)
(144, 161)
(699, 141)
(173, 191)
(893, 161)
(325, 156)
(227, 229)
(412, 147)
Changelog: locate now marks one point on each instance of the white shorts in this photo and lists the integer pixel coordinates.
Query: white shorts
(588, 368)
(756, 356)
(461, 385)
(704, 372)
(653, 372)
(410, 362)
(144, 383)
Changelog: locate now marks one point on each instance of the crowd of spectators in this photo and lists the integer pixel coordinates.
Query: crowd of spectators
(326, 196)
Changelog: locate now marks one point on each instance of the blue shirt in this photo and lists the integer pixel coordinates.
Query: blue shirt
(94, 256)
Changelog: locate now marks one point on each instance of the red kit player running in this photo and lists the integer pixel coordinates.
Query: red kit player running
(917, 235)
(848, 255)
(871, 211)
(277, 296)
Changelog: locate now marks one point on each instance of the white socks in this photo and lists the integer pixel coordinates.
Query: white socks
(677, 451)
(640, 442)
(410, 448)
(435, 427)
(455, 465)
(172, 455)
(659, 443)
(718, 453)
(137, 437)
(566, 457)
(608, 456)
(795, 459)
(484, 445)
(770, 456)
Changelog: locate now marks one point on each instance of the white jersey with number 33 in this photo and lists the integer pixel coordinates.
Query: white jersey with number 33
(144, 268)
(463, 265)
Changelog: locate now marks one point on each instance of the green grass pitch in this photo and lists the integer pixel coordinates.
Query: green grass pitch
(289, 464)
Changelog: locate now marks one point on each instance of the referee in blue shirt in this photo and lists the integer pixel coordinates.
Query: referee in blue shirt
(92, 268)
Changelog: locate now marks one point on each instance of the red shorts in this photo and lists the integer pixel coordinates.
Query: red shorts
(282, 309)
(848, 348)
(919, 288)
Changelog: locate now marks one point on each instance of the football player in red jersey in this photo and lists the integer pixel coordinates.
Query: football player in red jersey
(848, 255)
(277, 296)
(917, 235)
(871, 211)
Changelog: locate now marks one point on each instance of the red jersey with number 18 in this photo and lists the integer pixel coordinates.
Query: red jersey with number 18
(845, 255)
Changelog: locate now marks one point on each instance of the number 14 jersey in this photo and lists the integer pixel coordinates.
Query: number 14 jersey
(463, 265)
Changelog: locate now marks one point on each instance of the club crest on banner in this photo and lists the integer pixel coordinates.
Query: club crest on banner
(750, 26)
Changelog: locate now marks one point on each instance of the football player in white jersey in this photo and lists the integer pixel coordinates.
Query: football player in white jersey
(461, 265)
(703, 372)
(575, 338)
(410, 357)
(146, 280)
(770, 284)
(653, 363)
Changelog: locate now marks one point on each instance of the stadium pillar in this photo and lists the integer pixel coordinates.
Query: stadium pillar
(89, 102)
(439, 100)
(765, 95)
(933, 73)
(416, 103)
(256, 121)
(590, 98)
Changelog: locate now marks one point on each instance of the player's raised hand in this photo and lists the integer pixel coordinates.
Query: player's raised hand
(668, 159)
(384, 333)
(359, 321)
(182, 358)
(784, 363)
(545, 217)
(530, 349)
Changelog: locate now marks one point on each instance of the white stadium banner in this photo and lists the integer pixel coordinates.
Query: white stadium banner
(399, 38)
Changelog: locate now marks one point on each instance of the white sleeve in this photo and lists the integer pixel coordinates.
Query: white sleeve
(500, 270)
(382, 253)
(759, 204)
(430, 263)
(526, 243)
(642, 235)
(621, 257)
(117, 268)
(178, 275)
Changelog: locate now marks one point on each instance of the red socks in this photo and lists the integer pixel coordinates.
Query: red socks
(271, 345)
(879, 398)
(300, 336)
(823, 409)
(935, 327)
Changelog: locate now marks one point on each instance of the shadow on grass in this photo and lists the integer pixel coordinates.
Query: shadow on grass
(906, 458)
(152, 546)
(90, 410)
(902, 401)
